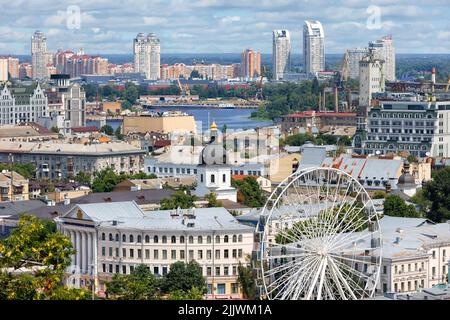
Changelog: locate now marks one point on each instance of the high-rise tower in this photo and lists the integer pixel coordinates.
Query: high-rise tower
(313, 47)
(281, 53)
(147, 51)
(39, 56)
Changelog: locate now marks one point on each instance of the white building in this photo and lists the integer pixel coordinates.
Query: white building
(281, 53)
(354, 56)
(39, 56)
(384, 50)
(114, 238)
(3, 69)
(371, 78)
(22, 105)
(313, 47)
(146, 51)
(414, 126)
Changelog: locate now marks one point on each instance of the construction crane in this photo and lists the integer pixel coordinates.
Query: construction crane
(185, 92)
(259, 85)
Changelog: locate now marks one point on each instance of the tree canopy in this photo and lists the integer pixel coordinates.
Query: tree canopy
(139, 285)
(179, 199)
(437, 191)
(249, 192)
(395, 206)
(183, 277)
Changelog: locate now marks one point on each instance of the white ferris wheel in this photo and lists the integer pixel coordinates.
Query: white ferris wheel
(321, 238)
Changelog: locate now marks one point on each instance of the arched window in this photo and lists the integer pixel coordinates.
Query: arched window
(139, 239)
(110, 237)
(234, 238)
(200, 239)
(147, 239)
(181, 239)
(208, 239)
(217, 239)
(240, 238)
(173, 239)
(191, 239)
(164, 239)
(213, 178)
(103, 236)
(117, 237)
(155, 239)
(225, 239)
(131, 238)
(124, 238)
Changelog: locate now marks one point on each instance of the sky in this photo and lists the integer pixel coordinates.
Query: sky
(222, 26)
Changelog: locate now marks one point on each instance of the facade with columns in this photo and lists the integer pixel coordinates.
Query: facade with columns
(116, 237)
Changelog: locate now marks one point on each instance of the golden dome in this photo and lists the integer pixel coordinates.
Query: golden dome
(214, 126)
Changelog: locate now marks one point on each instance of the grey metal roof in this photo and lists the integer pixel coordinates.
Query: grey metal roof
(129, 216)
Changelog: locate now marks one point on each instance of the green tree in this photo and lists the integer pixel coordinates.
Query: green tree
(249, 192)
(126, 105)
(130, 92)
(118, 133)
(195, 75)
(193, 294)
(212, 200)
(107, 129)
(247, 282)
(27, 170)
(379, 194)
(83, 178)
(139, 285)
(179, 199)
(437, 192)
(183, 277)
(395, 206)
(106, 180)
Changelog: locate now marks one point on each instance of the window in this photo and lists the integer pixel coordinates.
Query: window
(139, 239)
(208, 271)
(191, 239)
(131, 238)
(434, 254)
(110, 251)
(155, 239)
(147, 254)
(103, 251)
(156, 270)
(221, 288)
(147, 239)
(226, 270)
(164, 239)
(164, 270)
(181, 239)
(225, 254)
(174, 254)
(173, 239)
(224, 178)
(234, 238)
(208, 239)
(225, 239)
(124, 269)
(234, 270)
(200, 254)
(117, 237)
(217, 239)
(110, 237)
(164, 254)
(384, 271)
(182, 254)
(217, 255)
(139, 253)
(213, 178)
(110, 268)
(234, 288)
(240, 238)
(200, 239)
(208, 254)
(124, 252)
(234, 253)
(240, 253)
(103, 236)
(131, 269)
(131, 253)
(191, 255)
(124, 238)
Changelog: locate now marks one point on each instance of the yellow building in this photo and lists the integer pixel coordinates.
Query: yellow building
(162, 124)
(13, 187)
(113, 107)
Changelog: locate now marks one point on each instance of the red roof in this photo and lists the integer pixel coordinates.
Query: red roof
(162, 143)
(85, 129)
(308, 114)
(241, 177)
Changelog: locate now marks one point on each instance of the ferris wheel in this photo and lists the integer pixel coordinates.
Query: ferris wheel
(321, 238)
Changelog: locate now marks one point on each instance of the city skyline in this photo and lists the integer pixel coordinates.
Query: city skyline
(224, 26)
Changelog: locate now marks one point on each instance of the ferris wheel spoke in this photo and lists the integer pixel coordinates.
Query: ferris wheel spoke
(303, 278)
(344, 282)
(356, 273)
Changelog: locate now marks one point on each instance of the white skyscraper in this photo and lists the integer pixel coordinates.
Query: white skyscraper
(147, 55)
(354, 56)
(281, 54)
(371, 78)
(313, 47)
(384, 49)
(39, 56)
